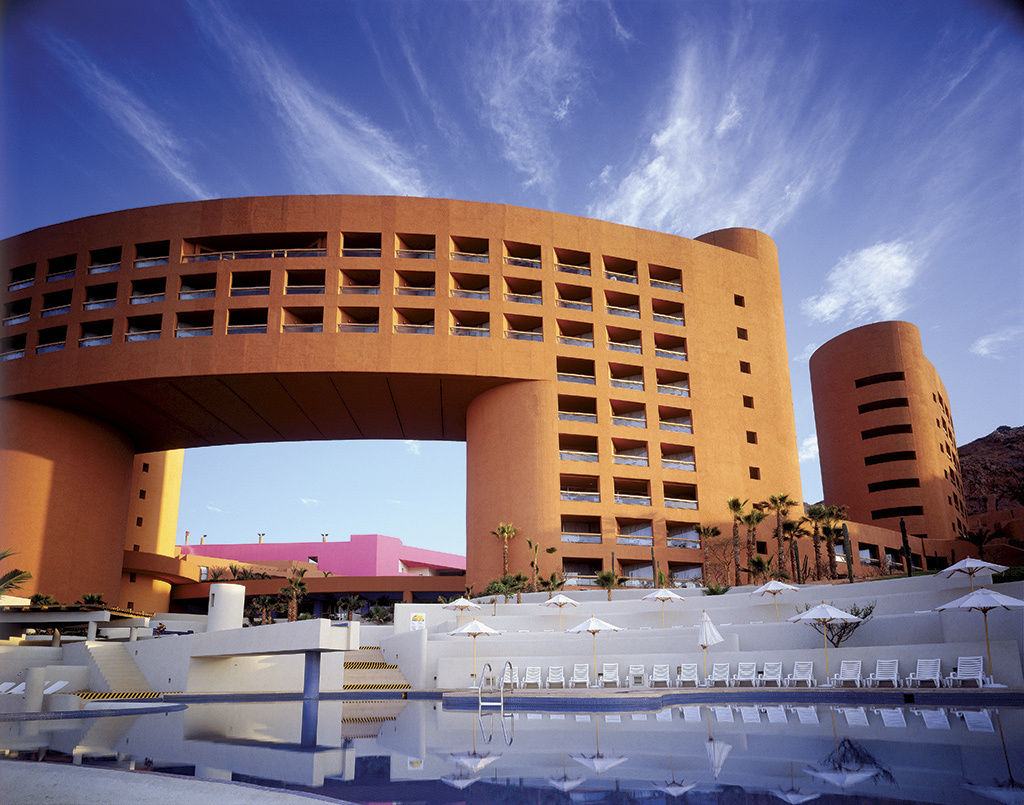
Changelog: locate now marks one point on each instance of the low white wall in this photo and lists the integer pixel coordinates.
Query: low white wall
(408, 650)
(15, 660)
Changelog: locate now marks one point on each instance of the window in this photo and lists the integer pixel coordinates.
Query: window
(748, 402)
(143, 328)
(633, 491)
(581, 489)
(572, 262)
(204, 573)
(415, 247)
(885, 458)
(574, 297)
(360, 282)
(634, 532)
(524, 328)
(415, 321)
(155, 253)
(870, 380)
(302, 320)
(668, 312)
(22, 277)
(678, 457)
(472, 323)
(147, 291)
(360, 244)
(887, 430)
(879, 405)
(620, 270)
(305, 282)
(473, 250)
(867, 554)
(576, 447)
(755, 473)
(739, 301)
(523, 255)
(575, 370)
(741, 333)
(247, 321)
(52, 339)
(761, 547)
(577, 409)
(751, 437)
(131, 580)
(61, 268)
(670, 346)
(895, 483)
(194, 324)
(470, 286)
(745, 367)
(138, 522)
(98, 297)
(414, 283)
(250, 283)
(104, 260)
(629, 414)
(682, 535)
(625, 376)
(13, 347)
(523, 291)
(136, 547)
(897, 511)
(145, 466)
(671, 279)
(142, 494)
(630, 451)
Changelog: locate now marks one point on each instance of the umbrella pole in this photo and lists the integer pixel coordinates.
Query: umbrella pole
(473, 674)
(825, 632)
(971, 577)
(595, 658)
(984, 614)
(775, 598)
(662, 614)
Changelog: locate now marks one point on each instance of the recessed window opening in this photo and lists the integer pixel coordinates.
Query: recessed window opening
(631, 452)
(359, 320)
(415, 283)
(302, 320)
(523, 255)
(247, 321)
(250, 283)
(471, 286)
(473, 250)
(577, 409)
(198, 286)
(755, 473)
(897, 511)
(885, 430)
(147, 291)
(895, 483)
(51, 339)
(305, 281)
(61, 268)
(748, 401)
(884, 377)
(741, 333)
(13, 347)
(626, 376)
(415, 247)
(154, 253)
(574, 297)
(622, 340)
(580, 572)
(670, 279)
(472, 323)
(581, 529)
(104, 260)
(745, 367)
(364, 282)
(682, 535)
(670, 346)
(96, 333)
(668, 312)
(360, 244)
(194, 324)
(143, 328)
(575, 370)
(100, 296)
(255, 246)
(577, 447)
(524, 328)
(575, 333)
(628, 413)
(885, 458)
(414, 321)
(56, 303)
(620, 269)
(621, 304)
(581, 489)
(673, 382)
(739, 301)
(18, 311)
(523, 291)
(142, 494)
(751, 437)
(678, 457)
(675, 419)
(633, 531)
(879, 405)
(632, 491)
(572, 262)
(22, 277)
(680, 496)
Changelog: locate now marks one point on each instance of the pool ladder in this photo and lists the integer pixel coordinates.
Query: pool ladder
(507, 721)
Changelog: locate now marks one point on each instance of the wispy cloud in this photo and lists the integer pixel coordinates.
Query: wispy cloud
(993, 344)
(412, 446)
(210, 507)
(309, 501)
(621, 32)
(133, 116)
(867, 284)
(525, 74)
(746, 138)
(809, 448)
(331, 145)
(805, 353)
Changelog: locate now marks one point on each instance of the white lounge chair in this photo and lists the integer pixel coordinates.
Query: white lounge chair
(855, 716)
(803, 671)
(746, 674)
(510, 677)
(719, 674)
(891, 716)
(688, 675)
(659, 676)
(934, 718)
(53, 687)
(776, 714)
(887, 674)
(580, 675)
(968, 670)
(771, 674)
(750, 713)
(848, 676)
(805, 713)
(556, 676)
(665, 714)
(723, 712)
(532, 677)
(5, 687)
(635, 676)
(691, 713)
(610, 675)
(977, 720)
(927, 672)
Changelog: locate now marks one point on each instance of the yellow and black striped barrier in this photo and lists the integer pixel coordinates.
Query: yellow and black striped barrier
(368, 719)
(377, 686)
(101, 695)
(369, 666)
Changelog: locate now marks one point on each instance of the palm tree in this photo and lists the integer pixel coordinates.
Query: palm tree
(40, 600)
(982, 536)
(534, 565)
(91, 600)
(350, 604)
(609, 580)
(736, 507)
(505, 532)
(816, 517)
(552, 584)
(293, 592)
(792, 530)
(262, 605)
(833, 516)
(13, 579)
(780, 505)
(381, 613)
(760, 567)
(706, 534)
(752, 520)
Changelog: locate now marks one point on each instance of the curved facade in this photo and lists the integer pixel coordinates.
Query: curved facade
(885, 432)
(614, 385)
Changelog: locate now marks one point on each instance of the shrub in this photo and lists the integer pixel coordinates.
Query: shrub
(841, 632)
(1010, 574)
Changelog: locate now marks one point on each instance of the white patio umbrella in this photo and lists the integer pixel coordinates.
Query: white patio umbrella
(461, 605)
(676, 789)
(662, 595)
(594, 625)
(565, 783)
(560, 601)
(707, 635)
(717, 751)
(983, 600)
(793, 795)
(474, 761)
(970, 567)
(459, 781)
(774, 588)
(824, 614)
(474, 629)
(841, 777)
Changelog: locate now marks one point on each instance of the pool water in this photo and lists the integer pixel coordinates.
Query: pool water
(421, 752)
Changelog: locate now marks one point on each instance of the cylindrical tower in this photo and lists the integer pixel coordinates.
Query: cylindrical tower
(885, 431)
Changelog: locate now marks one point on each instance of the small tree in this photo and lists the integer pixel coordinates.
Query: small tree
(736, 507)
(262, 606)
(552, 584)
(707, 533)
(293, 592)
(13, 579)
(838, 633)
(382, 613)
(91, 600)
(505, 532)
(609, 580)
(215, 574)
(816, 517)
(752, 520)
(350, 604)
(779, 505)
(39, 600)
(760, 567)
(534, 564)
(981, 537)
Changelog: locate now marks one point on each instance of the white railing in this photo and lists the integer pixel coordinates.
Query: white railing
(590, 539)
(471, 257)
(371, 290)
(18, 285)
(146, 298)
(103, 268)
(682, 542)
(619, 346)
(60, 275)
(577, 416)
(415, 254)
(524, 299)
(98, 304)
(303, 328)
(415, 329)
(679, 464)
(569, 377)
(666, 284)
(583, 271)
(577, 455)
(671, 388)
(94, 340)
(581, 497)
(147, 335)
(627, 383)
(623, 540)
(304, 289)
(368, 252)
(470, 293)
(580, 581)
(410, 290)
(59, 310)
(477, 332)
(246, 254)
(635, 461)
(148, 262)
(680, 427)
(524, 335)
(246, 329)
(629, 312)
(54, 346)
(618, 277)
(12, 354)
(525, 262)
(630, 421)
(572, 304)
(20, 318)
(666, 319)
(198, 293)
(575, 341)
(193, 332)
(670, 353)
(680, 503)
(358, 327)
(251, 290)
(635, 500)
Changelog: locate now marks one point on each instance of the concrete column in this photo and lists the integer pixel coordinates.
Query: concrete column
(133, 634)
(310, 699)
(34, 680)
(227, 603)
(311, 676)
(91, 631)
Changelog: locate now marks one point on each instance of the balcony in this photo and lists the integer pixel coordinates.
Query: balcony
(358, 327)
(525, 299)
(633, 500)
(674, 354)
(523, 262)
(472, 332)
(17, 285)
(680, 503)
(189, 331)
(585, 539)
(148, 335)
(691, 543)
(59, 275)
(103, 268)
(573, 304)
(567, 377)
(146, 298)
(628, 312)
(629, 421)
(617, 277)
(415, 329)
(583, 271)
(688, 465)
(52, 346)
(577, 455)
(415, 254)
(581, 497)
(368, 290)
(360, 244)
(632, 460)
(244, 254)
(56, 310)
(641, 541)
(577, 416)
(409, 290)
(670, 279)
(471, 293)
(575, 341)
(21, 318)
(94, 340)
(633, 382)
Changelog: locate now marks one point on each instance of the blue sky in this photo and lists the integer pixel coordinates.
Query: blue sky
(878, 143)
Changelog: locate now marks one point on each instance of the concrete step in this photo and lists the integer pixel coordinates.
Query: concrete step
(117, 668)
(366, 669)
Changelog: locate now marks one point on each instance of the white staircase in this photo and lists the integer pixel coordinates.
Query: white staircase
(117, 668)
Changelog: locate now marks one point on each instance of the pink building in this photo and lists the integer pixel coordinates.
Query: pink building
(360, 555)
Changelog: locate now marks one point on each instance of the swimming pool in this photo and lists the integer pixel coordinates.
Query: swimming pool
(427, 751)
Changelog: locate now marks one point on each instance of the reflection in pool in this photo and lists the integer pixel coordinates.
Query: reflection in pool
(418, 751)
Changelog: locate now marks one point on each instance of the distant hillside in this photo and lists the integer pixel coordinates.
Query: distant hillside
(994, 465)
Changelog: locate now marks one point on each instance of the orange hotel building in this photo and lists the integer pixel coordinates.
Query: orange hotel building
(614, 386)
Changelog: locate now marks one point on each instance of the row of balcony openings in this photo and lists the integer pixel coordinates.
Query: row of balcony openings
(633, 452)
(631, 491)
